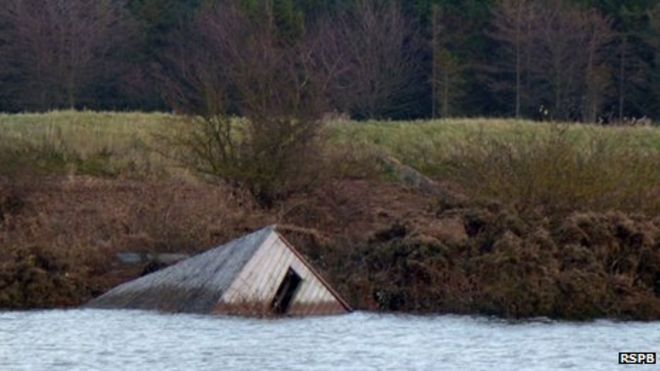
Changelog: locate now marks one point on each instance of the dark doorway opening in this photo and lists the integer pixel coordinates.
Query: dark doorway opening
(286, 291)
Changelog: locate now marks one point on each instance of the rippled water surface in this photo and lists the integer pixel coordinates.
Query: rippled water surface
(132, 340)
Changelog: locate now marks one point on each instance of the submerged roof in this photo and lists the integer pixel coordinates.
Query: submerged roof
(194, 285)
(197, 284)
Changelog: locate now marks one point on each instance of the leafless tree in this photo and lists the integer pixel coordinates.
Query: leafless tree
(597, 77)
(513, 25)
(233, 63)
(57, 48)
(553, 55)
(568, 45)
(448, 70)
(381, 48)
(653, 39)
(634, 68)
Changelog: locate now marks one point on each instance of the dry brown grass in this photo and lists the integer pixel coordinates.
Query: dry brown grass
(59, 235)
(60, 238)
(65, 231)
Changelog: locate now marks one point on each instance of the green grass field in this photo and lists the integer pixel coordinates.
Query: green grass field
(427, 144)
(517, 161)
(89, 142)
(130, 137)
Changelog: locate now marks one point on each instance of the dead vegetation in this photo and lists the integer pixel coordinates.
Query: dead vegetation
(550, 221)
(490, 259)
(60, 235)
(382, 245)
(276, 84)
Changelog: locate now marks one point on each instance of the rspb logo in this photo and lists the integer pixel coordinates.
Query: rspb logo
(637, 358)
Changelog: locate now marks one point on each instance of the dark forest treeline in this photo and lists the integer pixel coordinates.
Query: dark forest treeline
(584, 60)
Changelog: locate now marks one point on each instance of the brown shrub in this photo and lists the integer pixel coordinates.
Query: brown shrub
(228, 63)
(383, 246)
(36, 276)
(585, 266)
(11, 201)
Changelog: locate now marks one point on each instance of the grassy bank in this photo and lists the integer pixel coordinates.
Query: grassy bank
(533, 219)
(103, 144)
(425, 145)
(428, 145)
(529, 164)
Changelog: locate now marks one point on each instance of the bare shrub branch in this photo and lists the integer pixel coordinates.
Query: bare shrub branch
(232, 64)
(57, 49)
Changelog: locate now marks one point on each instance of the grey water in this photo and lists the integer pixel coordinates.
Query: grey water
(136, 340)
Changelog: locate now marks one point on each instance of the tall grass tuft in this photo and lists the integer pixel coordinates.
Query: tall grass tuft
(561, 171)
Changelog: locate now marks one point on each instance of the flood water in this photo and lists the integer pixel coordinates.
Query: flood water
(134, 340)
